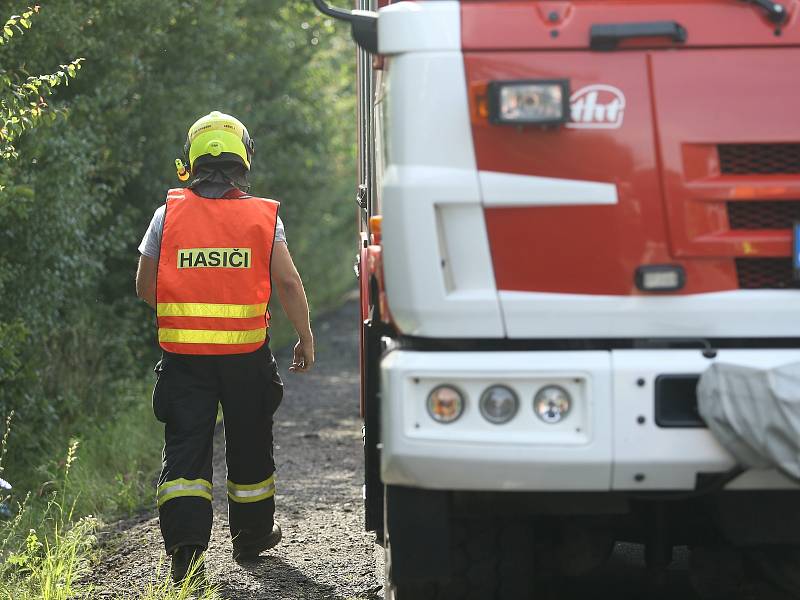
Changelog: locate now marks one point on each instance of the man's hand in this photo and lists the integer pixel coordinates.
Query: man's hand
(303, 356)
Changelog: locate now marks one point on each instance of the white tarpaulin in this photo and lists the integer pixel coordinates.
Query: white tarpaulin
(754, 413)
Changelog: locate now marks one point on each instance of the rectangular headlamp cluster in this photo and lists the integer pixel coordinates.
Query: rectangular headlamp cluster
(529, 102)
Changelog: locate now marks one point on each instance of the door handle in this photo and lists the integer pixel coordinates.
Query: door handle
(608, 36)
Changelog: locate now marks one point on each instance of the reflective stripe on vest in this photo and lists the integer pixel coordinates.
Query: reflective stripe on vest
(205, 336)
(251, 492)
(200, 309)
(183, 487)
(213, 284)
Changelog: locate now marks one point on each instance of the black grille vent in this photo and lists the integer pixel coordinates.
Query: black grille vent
(763, 214)
(759, 159)
(765, 273)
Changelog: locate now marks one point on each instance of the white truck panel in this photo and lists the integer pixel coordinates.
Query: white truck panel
(419, 26)
(667, 458)
(600, 446)
(509, 189)
(433, 288)
(473, 454)
(739, 313)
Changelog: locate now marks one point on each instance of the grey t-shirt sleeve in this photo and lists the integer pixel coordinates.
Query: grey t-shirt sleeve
(280, 233)
(151, 242)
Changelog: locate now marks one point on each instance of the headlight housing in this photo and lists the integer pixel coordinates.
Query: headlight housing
(445, 404)
(499, 404)
(532, 102)
(660, 278)
(552, 404)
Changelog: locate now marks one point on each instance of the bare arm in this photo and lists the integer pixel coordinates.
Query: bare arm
(146, 280)
(293, 299)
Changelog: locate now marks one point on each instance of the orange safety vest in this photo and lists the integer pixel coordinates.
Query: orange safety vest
(213, 284)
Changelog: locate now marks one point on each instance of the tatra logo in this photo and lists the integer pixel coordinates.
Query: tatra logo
(235, 258)
(597, 106)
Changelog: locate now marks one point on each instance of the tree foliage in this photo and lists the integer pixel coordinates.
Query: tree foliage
(22, 98)
(79, 194)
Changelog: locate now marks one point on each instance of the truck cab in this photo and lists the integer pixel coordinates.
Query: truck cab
(570, 210)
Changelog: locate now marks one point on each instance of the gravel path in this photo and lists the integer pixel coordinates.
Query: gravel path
(325, 552)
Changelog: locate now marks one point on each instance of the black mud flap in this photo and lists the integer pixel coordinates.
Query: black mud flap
(373, 486)
(419, 525)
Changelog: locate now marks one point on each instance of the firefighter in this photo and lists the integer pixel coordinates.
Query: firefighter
(215, 253)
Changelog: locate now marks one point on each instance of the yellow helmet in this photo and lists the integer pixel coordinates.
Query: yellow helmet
(220, 136)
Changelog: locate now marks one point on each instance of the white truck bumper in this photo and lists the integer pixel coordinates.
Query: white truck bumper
(609, 440)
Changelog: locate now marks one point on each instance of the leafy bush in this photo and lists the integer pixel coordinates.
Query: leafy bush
(82, 167)
(80, 194)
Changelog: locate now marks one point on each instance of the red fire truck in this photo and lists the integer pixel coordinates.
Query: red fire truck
(569, 211)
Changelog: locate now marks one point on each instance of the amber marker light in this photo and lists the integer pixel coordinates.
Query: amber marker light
(375, 228)
(375, 223)
(445, 404)
(479, 105)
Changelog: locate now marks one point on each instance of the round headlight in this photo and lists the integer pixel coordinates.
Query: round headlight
(445, 404)
(499, 404)
(552, 404)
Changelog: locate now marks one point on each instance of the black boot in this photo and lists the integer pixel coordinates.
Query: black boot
(251, 551)
(183, 559)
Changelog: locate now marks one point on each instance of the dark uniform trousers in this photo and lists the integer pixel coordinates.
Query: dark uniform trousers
(185, 399)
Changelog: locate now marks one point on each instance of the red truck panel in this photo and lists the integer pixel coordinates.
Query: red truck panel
(705, 98)
(514, 25)
(680, 105)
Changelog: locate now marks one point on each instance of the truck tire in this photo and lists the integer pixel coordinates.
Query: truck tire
(779, 568)
(717, 572)
(491, 560)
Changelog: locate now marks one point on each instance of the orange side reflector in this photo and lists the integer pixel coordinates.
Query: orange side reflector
(479, 102)
(375, 224)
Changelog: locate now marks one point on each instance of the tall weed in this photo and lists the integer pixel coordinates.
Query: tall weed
(48, 548)
(47, 562)
(160, 587)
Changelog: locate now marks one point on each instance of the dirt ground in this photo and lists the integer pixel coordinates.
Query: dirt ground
(325, 552)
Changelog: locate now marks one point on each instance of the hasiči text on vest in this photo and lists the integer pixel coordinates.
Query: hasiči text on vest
(235, 258)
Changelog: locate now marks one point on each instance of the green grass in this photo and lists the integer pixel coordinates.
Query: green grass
(117, 463)
(162, 588)
(46, 548)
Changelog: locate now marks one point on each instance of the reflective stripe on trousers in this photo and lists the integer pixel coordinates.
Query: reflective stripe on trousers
(252, 492)
(178, 488)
